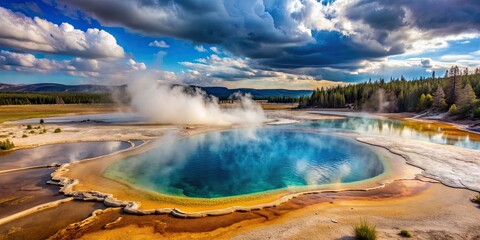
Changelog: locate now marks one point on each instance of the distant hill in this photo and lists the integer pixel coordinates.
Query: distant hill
(54, 87)
(220, 92)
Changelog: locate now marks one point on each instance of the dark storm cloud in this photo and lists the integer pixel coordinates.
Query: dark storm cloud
(426, 63)
(434, 16)
(199, 21)
(277, 35)
(378, 16)
(331, 49)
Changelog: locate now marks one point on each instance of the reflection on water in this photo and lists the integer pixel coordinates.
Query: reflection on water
(58, 153)
(243, 161)
(25, 189)
(431, 132)
(117, 117)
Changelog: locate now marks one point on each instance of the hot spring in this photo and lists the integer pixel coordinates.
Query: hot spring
(246, 161)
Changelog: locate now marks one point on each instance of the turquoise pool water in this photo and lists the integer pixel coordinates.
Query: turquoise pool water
(244, 161)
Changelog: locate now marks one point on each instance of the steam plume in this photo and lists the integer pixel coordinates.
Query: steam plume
(167, 104)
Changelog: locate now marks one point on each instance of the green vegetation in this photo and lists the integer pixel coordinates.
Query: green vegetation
(57, 130)
(16, 112)
(476, 199)
(456, 92)
(6, 145)
(453, 109)
(283, 99)
(365, 231)
(29, 127)
(405, 233)
(54, 98)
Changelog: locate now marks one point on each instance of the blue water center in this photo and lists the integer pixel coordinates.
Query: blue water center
(244, 161)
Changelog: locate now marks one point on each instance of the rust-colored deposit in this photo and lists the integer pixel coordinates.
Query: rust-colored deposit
(112, 223)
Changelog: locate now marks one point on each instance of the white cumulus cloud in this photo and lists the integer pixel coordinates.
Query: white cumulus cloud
(111, 69)
(160, 44)
(200, 48)
(24, 33)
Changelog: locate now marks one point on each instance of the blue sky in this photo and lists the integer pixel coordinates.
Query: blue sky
(246, 43)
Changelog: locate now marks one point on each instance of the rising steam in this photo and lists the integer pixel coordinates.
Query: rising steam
(381, 102)
(168, 104)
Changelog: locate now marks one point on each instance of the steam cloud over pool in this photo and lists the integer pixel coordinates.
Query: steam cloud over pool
(172, 105)
(243, 161)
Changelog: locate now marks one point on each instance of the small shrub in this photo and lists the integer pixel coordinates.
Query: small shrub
(365, 231)
(405, 233)
(6, 145)
(57, 130)
(29, 127)
(44, 130)
(41, 121)
(452, 109)
(476, 112)
(476, 199)
(32, 131)
(24, 135)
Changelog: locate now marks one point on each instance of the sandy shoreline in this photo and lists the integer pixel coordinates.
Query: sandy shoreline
(246, 227)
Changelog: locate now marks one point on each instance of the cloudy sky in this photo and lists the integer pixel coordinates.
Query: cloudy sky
(296, 44)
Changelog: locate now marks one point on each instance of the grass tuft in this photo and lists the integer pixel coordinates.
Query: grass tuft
(405, 233)
(57, 130)
(6, 145)
(365, 231)
(476, 199)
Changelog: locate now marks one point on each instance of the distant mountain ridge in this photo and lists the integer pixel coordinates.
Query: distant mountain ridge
(55, 87)
(221, 92)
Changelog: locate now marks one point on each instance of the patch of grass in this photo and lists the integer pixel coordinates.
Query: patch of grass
(365, 231)
(29, 127)
(405, 233)
(24, 135)
(17, 112)
(57, 130)
(32, 131)
(6, 145)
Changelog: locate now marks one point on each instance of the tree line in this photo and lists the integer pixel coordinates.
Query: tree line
(54, 98)
(282, 99)
(456, 92)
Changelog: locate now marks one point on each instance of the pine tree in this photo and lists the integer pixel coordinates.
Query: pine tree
(439, 99)
(453, 85)
(467, 95)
